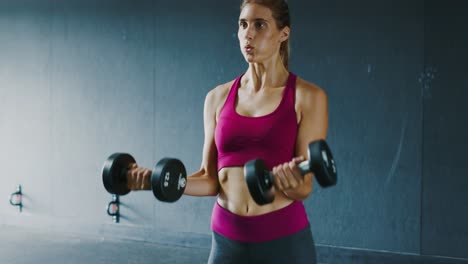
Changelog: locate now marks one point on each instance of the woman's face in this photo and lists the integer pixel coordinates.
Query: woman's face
(259, 37)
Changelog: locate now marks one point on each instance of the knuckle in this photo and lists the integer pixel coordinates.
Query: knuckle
(279, 184)
(274, 170)
(278, 174)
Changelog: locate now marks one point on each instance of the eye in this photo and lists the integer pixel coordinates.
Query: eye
(243, 24)
(260, 25)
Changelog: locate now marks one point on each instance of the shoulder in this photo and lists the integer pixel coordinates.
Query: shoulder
(219, 93)
(308, 94)
(216, 97)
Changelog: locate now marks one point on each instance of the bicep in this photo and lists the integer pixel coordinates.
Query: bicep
(313, 126)
(314, 121)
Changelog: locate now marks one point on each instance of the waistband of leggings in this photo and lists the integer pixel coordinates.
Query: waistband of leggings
(259, 228)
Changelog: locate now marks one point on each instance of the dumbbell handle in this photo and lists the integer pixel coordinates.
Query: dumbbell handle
(165, 178)
(147, 183)
(304, 168)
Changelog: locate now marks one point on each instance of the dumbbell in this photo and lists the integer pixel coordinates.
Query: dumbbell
(168, 178)
(260, 180)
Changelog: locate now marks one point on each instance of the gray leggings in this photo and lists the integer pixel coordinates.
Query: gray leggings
(297, 248)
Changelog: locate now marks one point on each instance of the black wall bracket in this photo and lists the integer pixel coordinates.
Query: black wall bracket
(16, 198)
(113, 208)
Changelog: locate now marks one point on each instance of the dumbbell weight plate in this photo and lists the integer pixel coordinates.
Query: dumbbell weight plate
(259, 181)
(114, 173)
(168, 180)
(322, 162)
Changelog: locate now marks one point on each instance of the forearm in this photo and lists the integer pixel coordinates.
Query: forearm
(201, 184)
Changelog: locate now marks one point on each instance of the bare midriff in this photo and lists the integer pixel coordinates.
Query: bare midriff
(235, 197)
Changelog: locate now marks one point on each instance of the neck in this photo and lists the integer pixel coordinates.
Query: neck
(267, 75)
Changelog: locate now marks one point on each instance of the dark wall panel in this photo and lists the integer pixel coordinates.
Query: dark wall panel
(368, 57)
(445, 184)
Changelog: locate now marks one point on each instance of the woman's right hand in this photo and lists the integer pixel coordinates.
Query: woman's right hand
(138, 178)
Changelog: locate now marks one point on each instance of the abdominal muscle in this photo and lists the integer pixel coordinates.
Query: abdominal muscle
(235, 197)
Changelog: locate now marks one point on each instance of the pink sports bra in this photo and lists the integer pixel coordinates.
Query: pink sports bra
(271, 137)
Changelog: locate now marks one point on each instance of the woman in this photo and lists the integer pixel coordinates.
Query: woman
(266, 113)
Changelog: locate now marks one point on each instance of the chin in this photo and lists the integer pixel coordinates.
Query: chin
(250, 59)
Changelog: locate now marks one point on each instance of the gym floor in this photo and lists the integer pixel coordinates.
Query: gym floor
(19, 245)
(27, 246)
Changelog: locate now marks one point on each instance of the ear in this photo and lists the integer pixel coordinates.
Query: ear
(285, 34)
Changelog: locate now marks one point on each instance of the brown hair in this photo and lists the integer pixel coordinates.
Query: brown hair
(280, 12)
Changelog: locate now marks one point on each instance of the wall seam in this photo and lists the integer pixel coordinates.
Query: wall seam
(153, 63)
(51, 101)
(421, 219)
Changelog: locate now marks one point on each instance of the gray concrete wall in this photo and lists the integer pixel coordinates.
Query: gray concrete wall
(80, 80)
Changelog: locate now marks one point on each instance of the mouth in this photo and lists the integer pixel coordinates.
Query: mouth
(248, 49)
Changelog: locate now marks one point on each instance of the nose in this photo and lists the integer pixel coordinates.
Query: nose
(249, 32)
